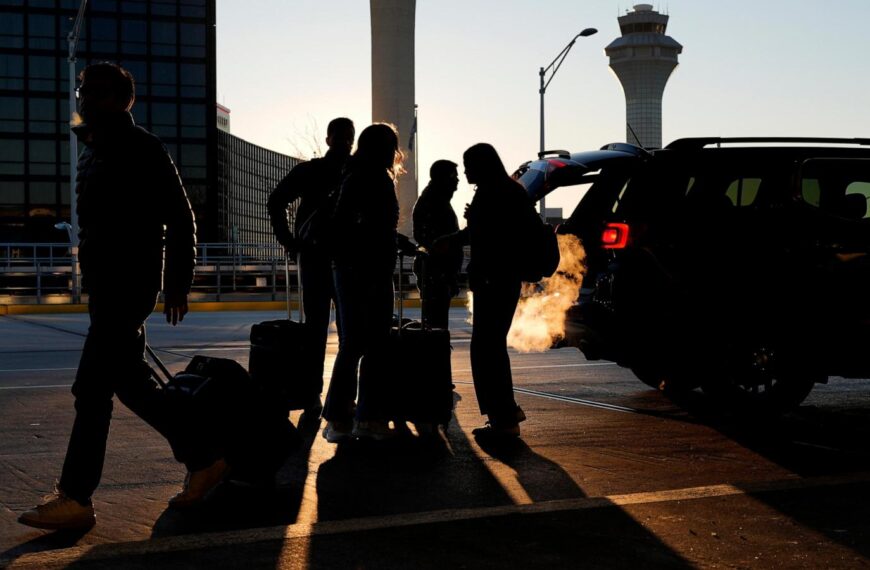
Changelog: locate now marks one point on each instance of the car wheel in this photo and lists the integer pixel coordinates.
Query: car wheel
(760, 378)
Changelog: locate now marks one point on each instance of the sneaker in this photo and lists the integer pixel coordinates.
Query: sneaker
(57, 511)
(338, 432)
(492, 432)
(373, 429)
(199, 484)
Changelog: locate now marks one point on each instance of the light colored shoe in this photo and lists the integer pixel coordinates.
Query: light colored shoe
(199, 484)
(373, 429)
(490, 432)
(57, 511)
(338, 432)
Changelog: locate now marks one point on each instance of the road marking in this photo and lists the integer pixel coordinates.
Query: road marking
(65, 557)
(577, 365)
(572, 400)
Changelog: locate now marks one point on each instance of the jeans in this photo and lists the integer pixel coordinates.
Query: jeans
(494, 305)
(365, 307)
(112, 362)
(318, 292)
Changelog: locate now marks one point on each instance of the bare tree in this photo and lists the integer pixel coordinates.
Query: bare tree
(307, 142)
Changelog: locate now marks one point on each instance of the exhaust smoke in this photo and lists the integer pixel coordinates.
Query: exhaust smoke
(539, 321)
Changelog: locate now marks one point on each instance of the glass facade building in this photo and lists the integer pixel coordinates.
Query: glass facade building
(168, 45)
(246, 176)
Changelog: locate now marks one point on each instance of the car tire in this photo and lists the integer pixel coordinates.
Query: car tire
(670, 383)
(758, 379)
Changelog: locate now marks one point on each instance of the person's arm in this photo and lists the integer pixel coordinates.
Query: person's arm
(288, 190)
(180, 240)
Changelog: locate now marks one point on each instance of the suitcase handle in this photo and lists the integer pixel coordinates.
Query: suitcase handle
(298, 285)
(160, 365)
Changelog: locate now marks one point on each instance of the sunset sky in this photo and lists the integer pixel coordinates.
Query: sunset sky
(748, 68)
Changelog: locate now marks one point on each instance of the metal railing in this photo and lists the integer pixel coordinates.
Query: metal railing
(42, 273)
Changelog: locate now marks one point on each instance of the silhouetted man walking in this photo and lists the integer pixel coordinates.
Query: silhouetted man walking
(316, 182)
(132, 210)
(434, 218)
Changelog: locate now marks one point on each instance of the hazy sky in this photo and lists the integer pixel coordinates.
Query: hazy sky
(748, 68)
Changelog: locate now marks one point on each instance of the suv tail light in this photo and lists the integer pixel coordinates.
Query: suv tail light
(614, 236)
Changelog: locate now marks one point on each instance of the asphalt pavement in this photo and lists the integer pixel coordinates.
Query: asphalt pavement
(608, 474)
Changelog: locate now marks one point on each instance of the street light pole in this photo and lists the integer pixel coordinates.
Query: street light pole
(543, 89)
(73, 39)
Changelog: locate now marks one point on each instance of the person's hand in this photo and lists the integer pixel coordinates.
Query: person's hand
(175, 307)
(440, 246)
(291, 246)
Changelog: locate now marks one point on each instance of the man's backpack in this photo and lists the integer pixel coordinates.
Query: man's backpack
(539, 250)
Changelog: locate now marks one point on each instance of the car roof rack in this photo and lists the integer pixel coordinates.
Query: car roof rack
(701, 142)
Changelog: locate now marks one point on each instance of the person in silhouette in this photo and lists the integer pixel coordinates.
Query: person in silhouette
(316, 182)
(131, 205)
(434, 217)
(364, 258)
(500, 206)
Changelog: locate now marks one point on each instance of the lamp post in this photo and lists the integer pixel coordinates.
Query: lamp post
(73, 40)
(543, 89)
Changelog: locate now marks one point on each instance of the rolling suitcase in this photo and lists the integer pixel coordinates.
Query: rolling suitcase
(412, 370)
(251, 432)
(280, 357)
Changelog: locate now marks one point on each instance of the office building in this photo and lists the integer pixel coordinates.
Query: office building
(168, 45)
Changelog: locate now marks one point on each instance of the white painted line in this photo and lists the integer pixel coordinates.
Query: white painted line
(577, 365)
(190, 542)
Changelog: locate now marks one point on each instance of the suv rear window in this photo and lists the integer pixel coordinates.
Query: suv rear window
(837, 186)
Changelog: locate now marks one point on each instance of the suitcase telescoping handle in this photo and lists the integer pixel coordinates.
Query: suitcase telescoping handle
(166, 373)
(298, 285)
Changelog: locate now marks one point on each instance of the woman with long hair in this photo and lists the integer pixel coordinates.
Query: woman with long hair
(364, 258)
(499, 208)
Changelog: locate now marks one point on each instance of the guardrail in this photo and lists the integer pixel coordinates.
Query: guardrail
(42, 273)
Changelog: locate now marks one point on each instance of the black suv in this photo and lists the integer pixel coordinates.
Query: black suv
(739, 265)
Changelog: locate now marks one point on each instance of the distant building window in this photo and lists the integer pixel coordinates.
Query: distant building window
(11, 192)
(11, 156)
(163, 38)
(42, 73)
(163, 79)
(11, 71)
(43, 193)
(163, 7)
(12, 31)
(104, 35)
(43, 157)
(41, 31)
(133, 36)
(11, 115)
(193, 80)
(43, 115)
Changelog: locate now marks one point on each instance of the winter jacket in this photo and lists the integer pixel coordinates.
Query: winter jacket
(131, 206)
(366, 217)
(496, 219)
(316, 182)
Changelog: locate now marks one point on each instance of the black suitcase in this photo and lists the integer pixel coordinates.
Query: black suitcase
(280, 358)
(254, 435)
(412, 370)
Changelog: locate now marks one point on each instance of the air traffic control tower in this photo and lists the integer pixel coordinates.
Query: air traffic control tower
(643, 59)
(393, 87)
